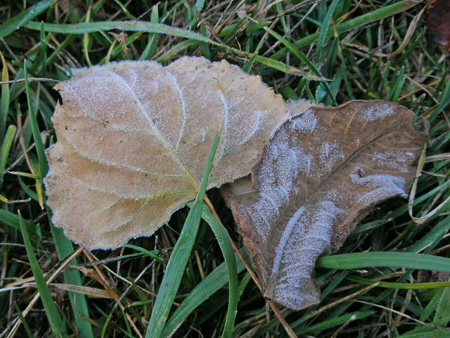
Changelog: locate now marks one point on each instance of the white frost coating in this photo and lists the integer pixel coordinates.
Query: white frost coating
(394, 160)
(152, 104)
(183, 109)
(375, 112)
(280, 249)
(306, 122)
(263, 213)
(379, 186)
(286, 162)
(252, 128)
(307, 240)
(278, 179)
(330, 153)
(96, 112)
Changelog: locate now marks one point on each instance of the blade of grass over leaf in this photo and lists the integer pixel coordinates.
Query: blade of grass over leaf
(49, 305)
(223, 238)
(179, 257)
(205, 289)
(362, 260)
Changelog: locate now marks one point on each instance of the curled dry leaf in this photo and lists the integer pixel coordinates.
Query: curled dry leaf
(322, 171)
(134, 137)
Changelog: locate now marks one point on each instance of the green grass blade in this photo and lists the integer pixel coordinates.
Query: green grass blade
(400, 286)
(205, 289)
(304, 59)
(18, 21)
(134, 26)
(144, 251)
(385, 259)
(224, 241)
(332, 322)
(397, 86)
(442, 314)
(444, 100)
(149, 27)
(426, 332)
(153, 39)
(40, 149)
(5, 97)
(433, 236)
(205, 46)
(12, 220)
(323, 33)
(24, 322)
(180, 255)
(347, 26)
(49, 306)
(6, 148)
(78, 302)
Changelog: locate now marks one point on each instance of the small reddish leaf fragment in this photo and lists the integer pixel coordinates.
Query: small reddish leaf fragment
(438, 21)
(322, 172)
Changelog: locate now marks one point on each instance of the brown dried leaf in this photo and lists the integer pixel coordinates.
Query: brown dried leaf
(134, 137)
(321, 173)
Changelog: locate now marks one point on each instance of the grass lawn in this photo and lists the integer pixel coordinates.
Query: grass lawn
(389, 279)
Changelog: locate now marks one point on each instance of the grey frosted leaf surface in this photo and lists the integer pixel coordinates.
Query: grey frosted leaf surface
(322, 172)
(242, 189)
(134, 137)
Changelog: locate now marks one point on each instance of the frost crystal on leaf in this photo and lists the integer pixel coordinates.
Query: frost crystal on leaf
(375, 112)
(323, 170)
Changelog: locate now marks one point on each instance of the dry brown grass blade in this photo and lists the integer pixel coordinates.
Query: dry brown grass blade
(409, 34)
(36, 297)
(403, 315)
(111, 292)
(344, 299)
(423, 159)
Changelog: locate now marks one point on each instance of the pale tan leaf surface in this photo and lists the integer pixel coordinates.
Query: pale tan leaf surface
(322, 172)
(134, 137)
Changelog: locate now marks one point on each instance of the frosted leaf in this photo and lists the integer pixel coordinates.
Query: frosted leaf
(375, 112)
(323, 170)
(134, 137)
